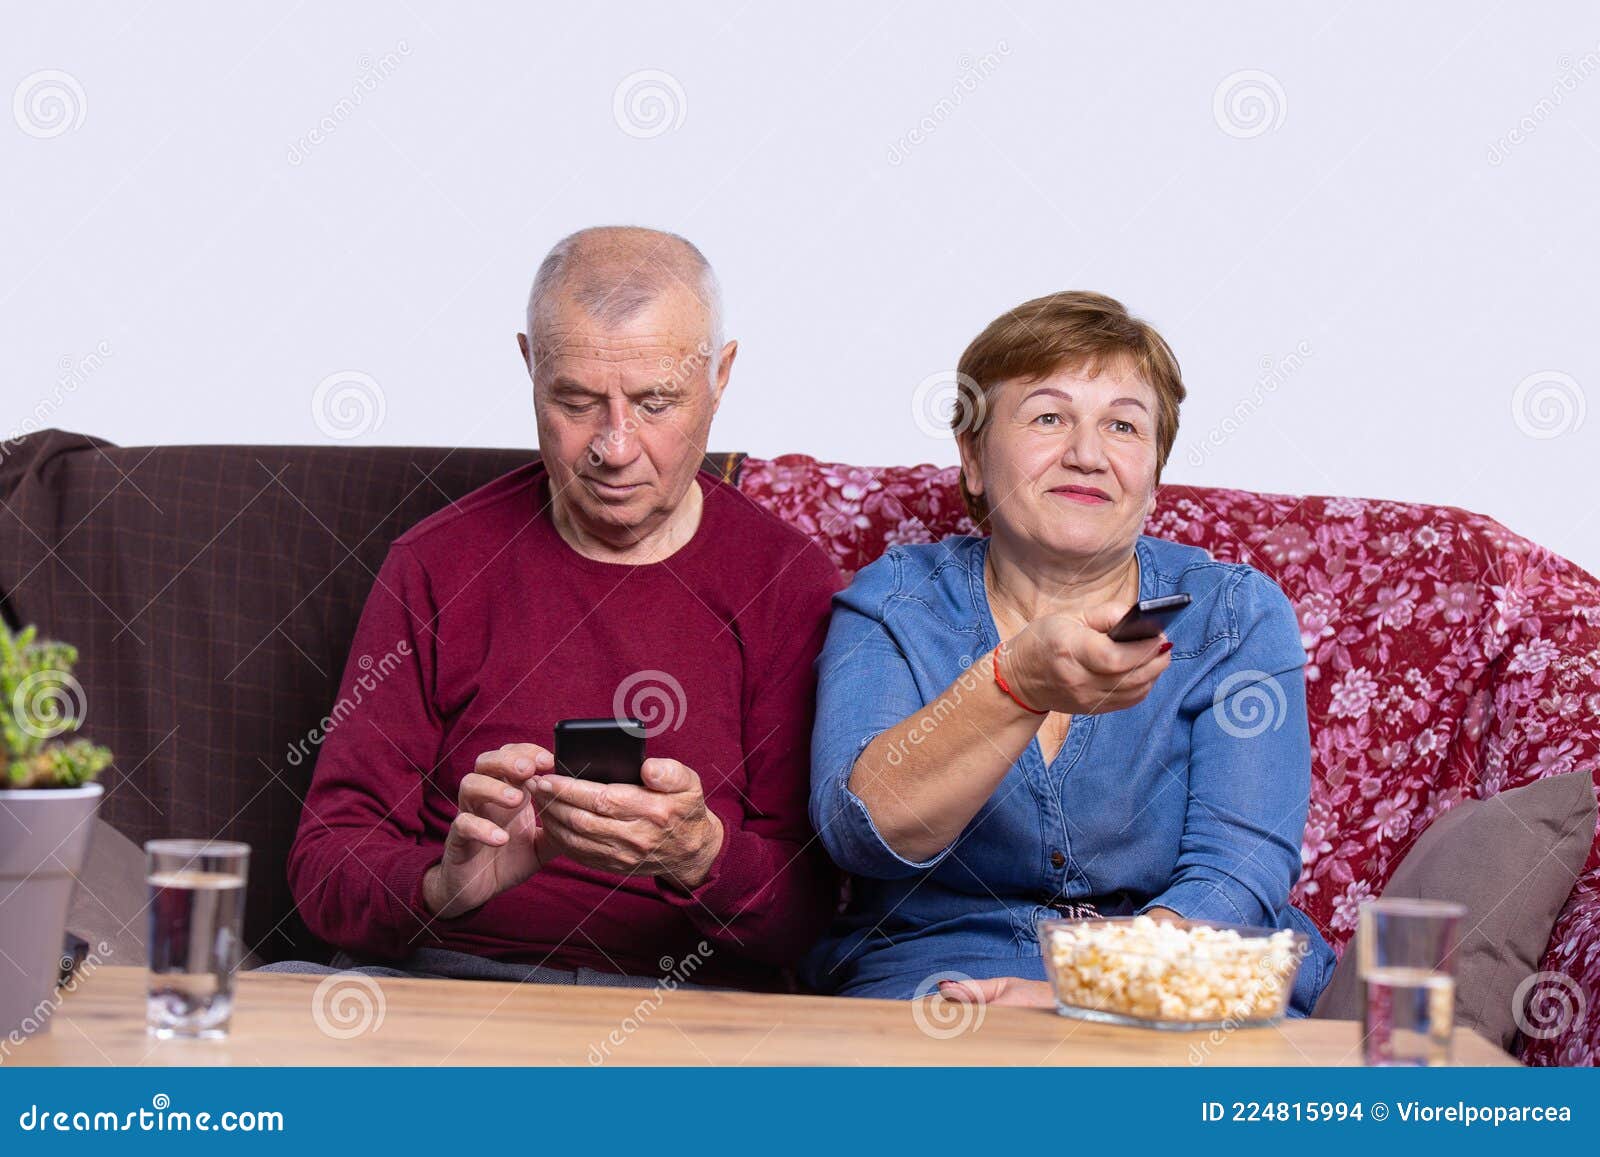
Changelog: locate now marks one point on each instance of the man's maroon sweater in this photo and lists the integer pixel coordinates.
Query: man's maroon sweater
(486, 628)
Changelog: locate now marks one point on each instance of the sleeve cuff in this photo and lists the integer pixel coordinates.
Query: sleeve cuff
(1199, 900)
(404, 889)
(864, 846)
(734, 885)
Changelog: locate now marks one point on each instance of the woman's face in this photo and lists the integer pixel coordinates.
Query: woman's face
(1067, 463)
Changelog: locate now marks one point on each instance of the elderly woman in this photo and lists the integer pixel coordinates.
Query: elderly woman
(985, 755)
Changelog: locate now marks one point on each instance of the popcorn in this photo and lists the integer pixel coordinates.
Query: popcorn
(1172, 971)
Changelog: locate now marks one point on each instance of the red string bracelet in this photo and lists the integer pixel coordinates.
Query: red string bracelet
(1000, 681)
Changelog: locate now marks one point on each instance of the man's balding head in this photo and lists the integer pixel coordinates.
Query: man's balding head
(613, 272)
(628, 365)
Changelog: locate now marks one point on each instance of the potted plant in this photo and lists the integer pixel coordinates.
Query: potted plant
(47, 806)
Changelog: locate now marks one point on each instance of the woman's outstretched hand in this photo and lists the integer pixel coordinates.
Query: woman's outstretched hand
(1069, 664)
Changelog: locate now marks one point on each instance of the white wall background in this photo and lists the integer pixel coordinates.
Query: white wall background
(1398, 216)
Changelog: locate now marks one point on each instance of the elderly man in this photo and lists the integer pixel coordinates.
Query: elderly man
(611, 579)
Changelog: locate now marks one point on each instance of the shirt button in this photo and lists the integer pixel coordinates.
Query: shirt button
(1057, 859)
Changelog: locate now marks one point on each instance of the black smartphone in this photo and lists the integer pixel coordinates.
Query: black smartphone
(602, 750)
(1148, 618)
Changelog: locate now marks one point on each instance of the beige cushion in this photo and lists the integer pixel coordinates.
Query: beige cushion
(110, 901)
(1512, 859)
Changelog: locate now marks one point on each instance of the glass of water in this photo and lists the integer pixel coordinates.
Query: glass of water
(1406, 953)
(196, 922)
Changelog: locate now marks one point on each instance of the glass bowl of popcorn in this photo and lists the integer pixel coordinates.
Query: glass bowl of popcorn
(1171, 974)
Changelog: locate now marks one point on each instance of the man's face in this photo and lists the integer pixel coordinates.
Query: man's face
(624, 412)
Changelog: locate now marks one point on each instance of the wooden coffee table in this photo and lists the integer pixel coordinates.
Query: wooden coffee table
(280, 1019)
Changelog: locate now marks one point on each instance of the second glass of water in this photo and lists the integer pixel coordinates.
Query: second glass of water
(1406, 952)
(196, 922)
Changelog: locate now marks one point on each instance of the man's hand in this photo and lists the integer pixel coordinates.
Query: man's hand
(495, 841)
(661, 829)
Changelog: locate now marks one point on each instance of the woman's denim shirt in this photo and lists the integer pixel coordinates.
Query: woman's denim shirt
(1194, 799)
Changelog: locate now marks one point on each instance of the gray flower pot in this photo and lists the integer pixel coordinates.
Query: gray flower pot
(44, 835)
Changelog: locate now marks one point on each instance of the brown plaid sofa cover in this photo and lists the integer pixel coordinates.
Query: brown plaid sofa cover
(212, 593)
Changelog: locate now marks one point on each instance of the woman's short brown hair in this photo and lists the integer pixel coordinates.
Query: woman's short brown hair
(1072, 330)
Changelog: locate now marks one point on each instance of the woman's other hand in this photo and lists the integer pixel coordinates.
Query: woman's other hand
(1014, 990)
(1011, 990)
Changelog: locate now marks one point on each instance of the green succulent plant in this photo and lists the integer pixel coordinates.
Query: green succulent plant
(40, 702)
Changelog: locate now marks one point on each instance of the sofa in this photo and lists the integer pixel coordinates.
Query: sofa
(213, 592)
